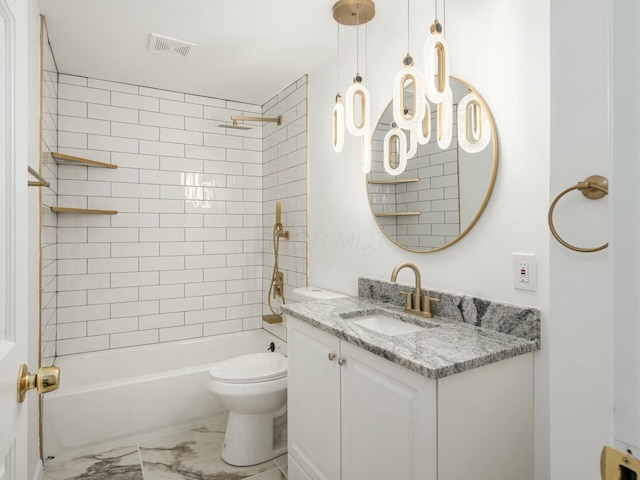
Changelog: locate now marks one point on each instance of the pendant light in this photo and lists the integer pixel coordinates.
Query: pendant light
(398, 139)
(357, 106)
(474, 130)
(338, 110)
(436, 64)
(408, 116)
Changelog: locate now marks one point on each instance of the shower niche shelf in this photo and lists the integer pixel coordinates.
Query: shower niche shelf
(62, 159)
(393, 182)
(397, 214)
(83, 211)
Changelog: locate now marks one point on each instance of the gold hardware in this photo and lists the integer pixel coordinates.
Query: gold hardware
(83, 210)
(46, 380)
(442, 74)
(426, 305)
(614, 463)
(593, 188)
(63, 159)
(335, 121)
(416, 303)
(394, 137)
(396, 214)
(331, 356)
(41, 181)
(407, 81)
(363, 109)
(474, 127)
(348, 12)
(341, 361)
(272, 318)
(277, 120)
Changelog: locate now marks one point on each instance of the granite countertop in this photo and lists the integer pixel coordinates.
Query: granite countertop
(444, 348)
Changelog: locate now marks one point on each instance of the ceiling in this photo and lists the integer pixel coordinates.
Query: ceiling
(246, 51)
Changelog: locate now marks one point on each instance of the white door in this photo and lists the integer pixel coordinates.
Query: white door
(625, 214)
(313, 398)
(13, 236)
(388, 419)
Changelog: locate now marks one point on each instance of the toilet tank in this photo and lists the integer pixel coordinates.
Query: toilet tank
(310, 294)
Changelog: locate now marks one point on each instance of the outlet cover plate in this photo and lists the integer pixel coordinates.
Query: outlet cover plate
(524, 271)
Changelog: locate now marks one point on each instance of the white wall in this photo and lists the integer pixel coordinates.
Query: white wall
(579, 330)
(502, 49)
(285, 179)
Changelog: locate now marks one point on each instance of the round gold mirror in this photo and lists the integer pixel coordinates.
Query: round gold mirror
(443, 192)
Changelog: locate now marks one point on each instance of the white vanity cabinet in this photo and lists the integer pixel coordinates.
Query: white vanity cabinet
(355, 416)
(365, 419)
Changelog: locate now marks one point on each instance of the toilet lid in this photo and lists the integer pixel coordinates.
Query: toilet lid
(253, 368)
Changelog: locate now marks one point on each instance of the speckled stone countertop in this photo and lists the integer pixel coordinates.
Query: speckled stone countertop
(444, 348)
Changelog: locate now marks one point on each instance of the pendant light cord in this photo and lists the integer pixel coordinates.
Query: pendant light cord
(358, 39)
(338, 55)
(408, 27)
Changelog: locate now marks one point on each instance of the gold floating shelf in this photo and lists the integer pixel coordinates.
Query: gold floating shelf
(399, 180)
(41, 181)
(397, 214)
(62, 159)
(84, 211)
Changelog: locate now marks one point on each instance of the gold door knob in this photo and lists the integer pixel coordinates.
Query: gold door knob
(46, 380)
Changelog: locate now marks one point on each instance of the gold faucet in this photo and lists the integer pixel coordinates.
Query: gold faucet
(416, 303)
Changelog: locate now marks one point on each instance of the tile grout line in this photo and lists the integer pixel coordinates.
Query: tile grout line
(140, 459)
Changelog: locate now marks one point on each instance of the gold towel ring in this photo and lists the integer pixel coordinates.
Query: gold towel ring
(594, 188)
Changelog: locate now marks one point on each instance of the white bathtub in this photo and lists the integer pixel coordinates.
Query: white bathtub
(118, 397)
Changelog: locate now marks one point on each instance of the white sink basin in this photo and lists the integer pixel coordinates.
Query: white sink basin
(386, 325)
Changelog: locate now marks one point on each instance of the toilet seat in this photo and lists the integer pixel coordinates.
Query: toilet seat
(252, 368)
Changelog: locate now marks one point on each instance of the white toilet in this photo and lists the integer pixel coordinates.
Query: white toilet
(254, 389)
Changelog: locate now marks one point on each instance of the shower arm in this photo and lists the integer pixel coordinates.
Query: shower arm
(277, 120)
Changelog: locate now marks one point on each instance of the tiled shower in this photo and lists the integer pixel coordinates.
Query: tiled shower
(189, 253)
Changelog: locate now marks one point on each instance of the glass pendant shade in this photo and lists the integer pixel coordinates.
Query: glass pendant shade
(338, 125)
(436, 67)
(445, 120)
(395, 136)
(422, 132)
(358, 126)
(408, 115)
(474, 130)
(366, 152)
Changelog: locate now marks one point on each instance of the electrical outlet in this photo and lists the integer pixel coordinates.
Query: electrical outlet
(524, 271)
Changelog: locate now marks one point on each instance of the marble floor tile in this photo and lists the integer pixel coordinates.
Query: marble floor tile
(275, 474)
(194, 455)
(117, 464)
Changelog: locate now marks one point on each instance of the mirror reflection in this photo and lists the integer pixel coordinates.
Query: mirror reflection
(442, 193)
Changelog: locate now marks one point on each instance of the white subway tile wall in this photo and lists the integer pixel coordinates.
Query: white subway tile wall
(49, 297)
(183, 258)
(435, 195)
(285, 179)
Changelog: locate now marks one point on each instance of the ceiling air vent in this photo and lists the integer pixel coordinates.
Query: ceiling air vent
(162, 44)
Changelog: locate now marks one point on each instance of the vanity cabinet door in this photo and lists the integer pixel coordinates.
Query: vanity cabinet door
(388, 419)
(313, 401)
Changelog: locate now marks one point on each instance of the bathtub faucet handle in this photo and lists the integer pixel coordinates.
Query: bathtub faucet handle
(272, 347)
